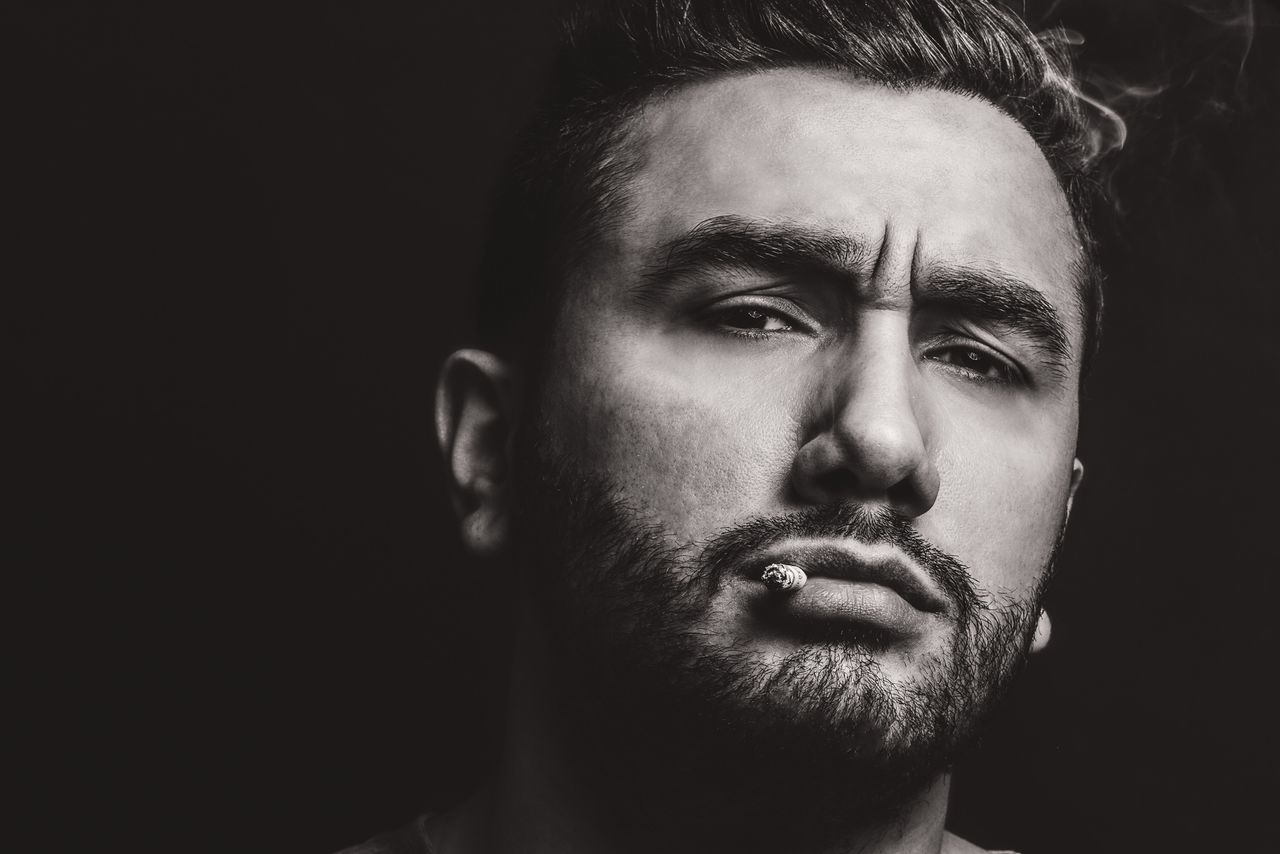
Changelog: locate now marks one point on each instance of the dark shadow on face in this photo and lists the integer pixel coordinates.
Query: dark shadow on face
(648, 698)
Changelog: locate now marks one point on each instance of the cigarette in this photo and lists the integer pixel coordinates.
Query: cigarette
(783, 576)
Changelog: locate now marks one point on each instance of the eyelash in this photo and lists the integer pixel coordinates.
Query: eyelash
(721, 316)
(1007, 372)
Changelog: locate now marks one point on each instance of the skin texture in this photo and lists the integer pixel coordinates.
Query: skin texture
(704, 429)
(715, 396)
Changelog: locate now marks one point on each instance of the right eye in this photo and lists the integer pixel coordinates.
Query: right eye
(756, 319)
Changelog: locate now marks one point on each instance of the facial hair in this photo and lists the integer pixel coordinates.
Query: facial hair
(800, 747)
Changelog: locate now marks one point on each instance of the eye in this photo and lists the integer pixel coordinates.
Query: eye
(976, 362)
(756, 318)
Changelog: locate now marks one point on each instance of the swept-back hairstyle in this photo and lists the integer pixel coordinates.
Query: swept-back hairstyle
(568, 180)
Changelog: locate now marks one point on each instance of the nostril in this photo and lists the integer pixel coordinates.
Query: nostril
(905, 497)
(913, 495)
(837, 483)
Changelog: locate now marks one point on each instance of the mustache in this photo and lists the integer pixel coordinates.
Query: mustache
(725, 552)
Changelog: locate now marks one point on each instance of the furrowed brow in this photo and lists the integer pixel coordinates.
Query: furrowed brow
(986, 295)
(726, 243)
(739, 243)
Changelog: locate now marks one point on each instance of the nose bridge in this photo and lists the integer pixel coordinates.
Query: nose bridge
(873, 396)
(872, 437)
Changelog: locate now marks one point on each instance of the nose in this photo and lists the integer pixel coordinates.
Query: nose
(868, 436)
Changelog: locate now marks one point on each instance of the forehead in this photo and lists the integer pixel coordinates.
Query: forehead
(952, 177)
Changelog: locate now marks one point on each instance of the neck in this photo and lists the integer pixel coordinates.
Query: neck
(559, 790)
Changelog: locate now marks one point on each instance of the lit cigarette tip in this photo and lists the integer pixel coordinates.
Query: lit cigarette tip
(783, 576)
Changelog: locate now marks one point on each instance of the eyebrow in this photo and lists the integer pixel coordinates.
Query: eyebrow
(734, 242)
(984, 294)
(737, 243)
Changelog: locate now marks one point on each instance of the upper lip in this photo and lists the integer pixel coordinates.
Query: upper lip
(857, 561)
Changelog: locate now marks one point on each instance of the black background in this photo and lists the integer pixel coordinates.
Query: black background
(242, 241)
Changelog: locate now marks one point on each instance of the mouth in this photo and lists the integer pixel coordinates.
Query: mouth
(855, 561)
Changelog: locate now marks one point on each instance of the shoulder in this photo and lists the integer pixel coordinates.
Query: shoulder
(952, 844)
(410, 839)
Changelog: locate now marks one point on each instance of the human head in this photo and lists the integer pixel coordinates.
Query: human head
(797, 304)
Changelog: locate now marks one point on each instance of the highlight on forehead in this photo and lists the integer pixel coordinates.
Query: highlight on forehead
(567, 187)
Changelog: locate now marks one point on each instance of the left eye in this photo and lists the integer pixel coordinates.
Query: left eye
(976, 361)
(755, 319)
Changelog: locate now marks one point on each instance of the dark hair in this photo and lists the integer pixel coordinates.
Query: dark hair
(568, 179)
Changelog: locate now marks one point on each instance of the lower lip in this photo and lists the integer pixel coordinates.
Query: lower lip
(843, 602)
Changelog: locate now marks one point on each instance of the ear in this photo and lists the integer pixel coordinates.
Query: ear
(1043, 629)
(475, 422)
(1043, 626)
(1077, 475)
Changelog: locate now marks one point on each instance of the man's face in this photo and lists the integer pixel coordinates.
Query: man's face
(837, 326)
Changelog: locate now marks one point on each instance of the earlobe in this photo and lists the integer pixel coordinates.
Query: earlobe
(475, 419)
(1043, 629)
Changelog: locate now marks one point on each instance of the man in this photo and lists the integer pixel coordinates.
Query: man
(778, 291)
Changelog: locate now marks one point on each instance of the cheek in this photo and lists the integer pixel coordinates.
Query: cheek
(1001, 506)
(692, 447)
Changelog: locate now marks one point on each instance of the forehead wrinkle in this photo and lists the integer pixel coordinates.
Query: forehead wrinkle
(891, 275)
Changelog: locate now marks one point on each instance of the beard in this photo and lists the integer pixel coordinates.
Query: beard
(784, 752)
